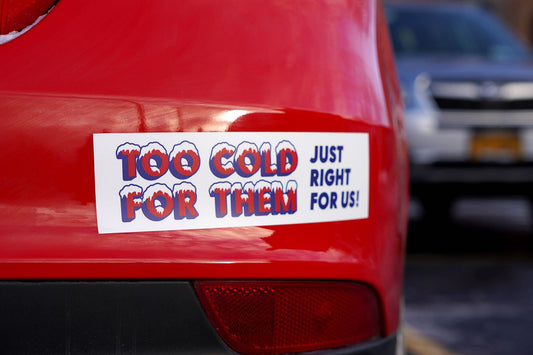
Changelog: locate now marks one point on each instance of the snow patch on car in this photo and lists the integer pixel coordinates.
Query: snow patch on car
(14, 34)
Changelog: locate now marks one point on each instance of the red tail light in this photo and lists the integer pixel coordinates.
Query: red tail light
(279, 317)
(15, 15)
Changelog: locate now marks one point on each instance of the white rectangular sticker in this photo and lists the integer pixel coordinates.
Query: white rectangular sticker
(176, 181)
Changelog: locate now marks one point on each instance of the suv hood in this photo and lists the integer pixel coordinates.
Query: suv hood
(465, 69)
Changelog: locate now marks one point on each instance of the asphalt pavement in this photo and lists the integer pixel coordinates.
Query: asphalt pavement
(469, 280)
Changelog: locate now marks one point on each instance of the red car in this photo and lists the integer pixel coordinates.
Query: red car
(200, 177)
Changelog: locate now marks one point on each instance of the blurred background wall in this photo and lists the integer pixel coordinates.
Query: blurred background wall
(518, 14)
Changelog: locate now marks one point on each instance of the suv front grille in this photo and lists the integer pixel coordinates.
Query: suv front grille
(483, 104)
(466, 104)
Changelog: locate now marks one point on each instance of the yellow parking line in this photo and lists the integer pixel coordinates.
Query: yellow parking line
(419, 344)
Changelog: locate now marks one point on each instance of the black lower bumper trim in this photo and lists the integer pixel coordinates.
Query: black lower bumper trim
(103, 318)
(118, 317)
(383, 346)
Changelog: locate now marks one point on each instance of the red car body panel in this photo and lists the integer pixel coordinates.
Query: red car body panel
(175, 66)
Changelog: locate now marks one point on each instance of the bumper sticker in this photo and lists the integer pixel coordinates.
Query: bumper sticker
(178, 181)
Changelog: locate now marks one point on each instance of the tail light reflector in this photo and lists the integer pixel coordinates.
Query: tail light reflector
(255, 317)
(15, 15)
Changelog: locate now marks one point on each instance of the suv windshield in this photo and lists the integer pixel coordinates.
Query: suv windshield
(450, 32)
